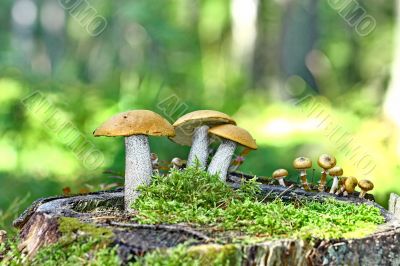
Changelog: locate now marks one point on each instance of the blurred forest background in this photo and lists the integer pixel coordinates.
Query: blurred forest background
(304, 77)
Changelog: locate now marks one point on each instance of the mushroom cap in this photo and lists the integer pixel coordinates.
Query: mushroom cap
(326, 161)
(234, 133)
(336, 171)
(280, 173)
(366, 185)
(350, 184)
(302, 163)
(135, 122)
(185, 125)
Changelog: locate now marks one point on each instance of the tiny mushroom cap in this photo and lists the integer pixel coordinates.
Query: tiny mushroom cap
(234, 133)
(336, 171)
(350, 184)
(326, 161)
(280, 173)
(186, 125)
(366, 185)
(136, 122)
(302, 163)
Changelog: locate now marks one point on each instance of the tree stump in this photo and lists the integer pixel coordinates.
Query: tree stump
(40, 225)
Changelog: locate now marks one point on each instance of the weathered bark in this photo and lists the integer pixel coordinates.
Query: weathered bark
(40, 226)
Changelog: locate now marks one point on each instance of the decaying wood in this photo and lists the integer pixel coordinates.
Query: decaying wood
(39, 226)
(394, 205)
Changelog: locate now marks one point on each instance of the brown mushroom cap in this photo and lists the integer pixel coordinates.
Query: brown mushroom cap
(234, 133)
(326, 161)
(366, 185)
(277, 174)
(185, 125)
(135, 122)
(350, 184)
(302, 163)
(336, 171)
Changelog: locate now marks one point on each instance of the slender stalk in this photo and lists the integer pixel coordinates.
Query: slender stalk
(303, 177)
(222, 159)
(138, 167)
(322, 182)
(334, 185)
(199, 151)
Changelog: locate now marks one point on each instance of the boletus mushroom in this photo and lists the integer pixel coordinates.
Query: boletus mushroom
(302, 164)
(335, 172)
(136, 126)
(279, 175)
(230, 136)
(326, 162)
(192, 130)
(365, 186)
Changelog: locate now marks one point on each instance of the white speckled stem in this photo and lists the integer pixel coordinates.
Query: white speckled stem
(222, 159)
(138, 168)
(334, 185)
(281, 182)
(199, 150)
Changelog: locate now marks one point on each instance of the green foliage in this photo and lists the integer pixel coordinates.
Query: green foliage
(186, 256)
(80, 244)
(11, 255)
(194, 196)
(83, 251)
(172, 257)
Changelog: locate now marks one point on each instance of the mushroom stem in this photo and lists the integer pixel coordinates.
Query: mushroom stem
(334, 185)
(322, 182)
(199, 150)
(222, 159)
(341, 190)
(281, 182)
(303, 177)
(362, 194)
(138, 167)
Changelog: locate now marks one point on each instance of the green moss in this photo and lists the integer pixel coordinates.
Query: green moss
(80, 244)
(69, 227)
(193, 196)
(83, 251)
(204, 255)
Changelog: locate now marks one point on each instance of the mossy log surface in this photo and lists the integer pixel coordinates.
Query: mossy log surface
(40, 225)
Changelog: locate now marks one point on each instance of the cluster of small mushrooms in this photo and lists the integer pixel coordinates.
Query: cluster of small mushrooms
(340, 185)
(196, 129)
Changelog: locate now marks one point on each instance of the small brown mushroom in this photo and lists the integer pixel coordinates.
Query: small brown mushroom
(192, 130)
(231, 136)
(365, 186)
(326, 162)
(302, 164)
(349, 185)
(178, 163)
(3, 236)
(335, 172)
(279, 175)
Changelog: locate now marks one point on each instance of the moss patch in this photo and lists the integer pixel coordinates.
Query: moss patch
(204, 255)
(80, 244)
(70, 227)
(193, 196)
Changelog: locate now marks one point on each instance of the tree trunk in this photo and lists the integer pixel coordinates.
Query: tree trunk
(40, 225)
